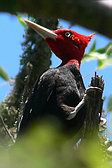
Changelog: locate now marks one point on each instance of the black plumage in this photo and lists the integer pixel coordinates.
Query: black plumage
(55, 95)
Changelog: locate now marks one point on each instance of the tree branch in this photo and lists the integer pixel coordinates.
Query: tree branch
(89, 13)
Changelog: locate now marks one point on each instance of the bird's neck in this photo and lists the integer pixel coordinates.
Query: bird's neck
(72, 62)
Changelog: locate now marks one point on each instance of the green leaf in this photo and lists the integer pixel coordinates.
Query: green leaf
(102, 55)
(93, 47)
(109, 106)
(94, 56)
(100, 64)
(20, 19)
(109, 51)
(104, 49)
(104, 63)
(3, 74)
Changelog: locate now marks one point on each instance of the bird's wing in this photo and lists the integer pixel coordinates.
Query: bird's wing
(38, 100)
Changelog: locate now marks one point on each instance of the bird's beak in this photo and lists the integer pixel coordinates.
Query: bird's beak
(42, 31)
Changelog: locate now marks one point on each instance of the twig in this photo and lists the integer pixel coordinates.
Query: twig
(6, 129)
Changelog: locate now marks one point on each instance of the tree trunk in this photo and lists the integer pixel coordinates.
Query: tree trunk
(94, 107)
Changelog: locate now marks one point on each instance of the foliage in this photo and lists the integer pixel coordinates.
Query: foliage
(102, 55)
(45, 147)
(110, 104)
(3, 74)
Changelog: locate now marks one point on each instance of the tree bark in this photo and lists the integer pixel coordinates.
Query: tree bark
(94, 107)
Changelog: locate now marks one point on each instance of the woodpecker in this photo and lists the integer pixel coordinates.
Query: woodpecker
(59, 90)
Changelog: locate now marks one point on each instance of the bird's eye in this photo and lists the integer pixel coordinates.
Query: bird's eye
(68, 34)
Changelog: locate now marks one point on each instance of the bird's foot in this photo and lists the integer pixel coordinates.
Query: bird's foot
(89, 90)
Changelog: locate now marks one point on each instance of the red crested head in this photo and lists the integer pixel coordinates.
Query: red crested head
(68, 45)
